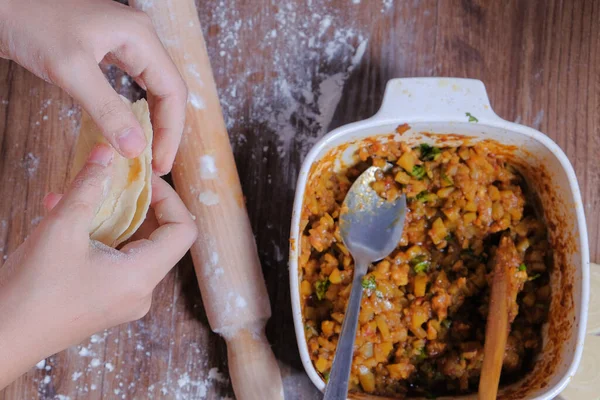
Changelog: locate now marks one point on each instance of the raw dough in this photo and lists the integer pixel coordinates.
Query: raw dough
(125, 207)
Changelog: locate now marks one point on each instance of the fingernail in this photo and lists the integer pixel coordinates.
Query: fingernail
(48, 199)
(101, 155)
(131, 142)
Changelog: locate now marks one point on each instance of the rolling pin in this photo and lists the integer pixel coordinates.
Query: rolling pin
(205, 176)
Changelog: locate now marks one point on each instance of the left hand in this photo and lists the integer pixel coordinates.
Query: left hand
(59, 287)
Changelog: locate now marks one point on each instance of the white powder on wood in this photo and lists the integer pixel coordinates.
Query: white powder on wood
(192, 69)
(85, 352)
(208, 198)
(208, 168)
(196, 101)
(95, 363)
(294, 98)
(30, 164)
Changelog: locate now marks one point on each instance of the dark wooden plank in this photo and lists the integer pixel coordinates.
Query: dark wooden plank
(286, 73)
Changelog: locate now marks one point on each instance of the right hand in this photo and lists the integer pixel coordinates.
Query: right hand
(62, 42)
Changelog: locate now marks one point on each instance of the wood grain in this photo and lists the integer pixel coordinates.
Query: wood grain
(539, 59)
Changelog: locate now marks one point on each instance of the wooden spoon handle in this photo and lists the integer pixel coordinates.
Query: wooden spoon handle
(496, 333)
(205, 176)
(501, 313)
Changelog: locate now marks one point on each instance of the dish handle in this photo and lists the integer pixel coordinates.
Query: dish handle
(436, 99)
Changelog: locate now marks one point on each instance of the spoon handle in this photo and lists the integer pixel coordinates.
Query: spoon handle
(337, 388)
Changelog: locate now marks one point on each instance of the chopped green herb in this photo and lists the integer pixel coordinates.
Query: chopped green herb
(379, 294)
(425, 196)
(421, 267)
(418, 172)
(447, 179)
(471, 117)
(533, 277)
(422, 355)
(420, 264)
(369, 283)
(429, 153)
(310, 331)
(326, 376)
(447, 323)
(448, 237)
(321, 287)
(522, 267)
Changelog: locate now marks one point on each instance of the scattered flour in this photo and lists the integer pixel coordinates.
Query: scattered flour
(96, 339)
(208, 198)
(196, 101)
(240, 302)
(109, 367)
(41, 364)
(215, 375)
(95, 363)
(76, 375)
(185, 387)
(125, 80)
(387, 5)
(30, 164)
(539, 117)
(184, 380)
(85, 352)
(192, 69)
(295, 97)
(47, 379)
(208, 168)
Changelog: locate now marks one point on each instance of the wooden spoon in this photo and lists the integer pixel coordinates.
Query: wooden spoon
(502, 312)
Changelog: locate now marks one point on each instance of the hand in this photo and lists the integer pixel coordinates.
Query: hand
(59, 287)
(62, 42)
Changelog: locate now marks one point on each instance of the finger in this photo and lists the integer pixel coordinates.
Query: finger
(51, 200)
(79, 204)
(147, 61)
(84, 80)
(149, 225)
(175, 235)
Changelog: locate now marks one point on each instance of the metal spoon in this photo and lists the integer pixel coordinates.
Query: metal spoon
(371, 228)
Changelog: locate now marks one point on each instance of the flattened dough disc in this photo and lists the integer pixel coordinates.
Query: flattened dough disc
(125, 207)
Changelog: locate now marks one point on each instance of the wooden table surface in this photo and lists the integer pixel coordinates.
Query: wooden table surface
(288, 72)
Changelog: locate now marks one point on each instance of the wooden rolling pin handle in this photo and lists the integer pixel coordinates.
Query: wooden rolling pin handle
(246, 377)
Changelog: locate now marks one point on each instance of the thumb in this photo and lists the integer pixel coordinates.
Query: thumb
(78, 206)
(51, 200)
(84, 80)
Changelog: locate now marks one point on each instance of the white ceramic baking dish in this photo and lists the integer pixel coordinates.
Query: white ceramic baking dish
(440, 106)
